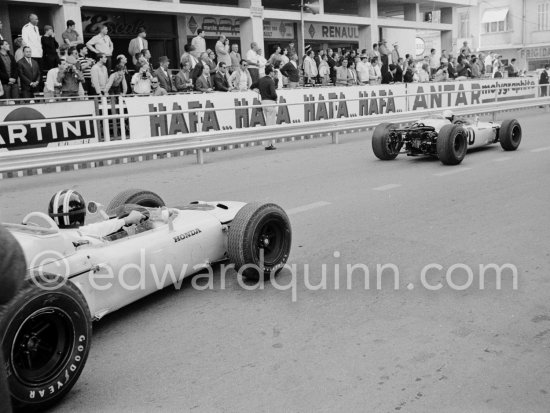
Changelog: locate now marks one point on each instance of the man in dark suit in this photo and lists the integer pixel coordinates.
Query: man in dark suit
(203, 82)
(165, 80)
(291, 71)
(29, 72)
(8, 71)
(220, 78)
(12, 274)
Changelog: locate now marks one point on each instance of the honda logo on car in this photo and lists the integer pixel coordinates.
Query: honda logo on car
(188, 234)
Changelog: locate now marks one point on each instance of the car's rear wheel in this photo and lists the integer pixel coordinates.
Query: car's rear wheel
(510, 134)
(259, 240)
(134, 196)
(383, 146)
(46, 333)
(451, 144)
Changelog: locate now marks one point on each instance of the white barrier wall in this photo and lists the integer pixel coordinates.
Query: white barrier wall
(38, 135)
(311, 104)
(303, 105)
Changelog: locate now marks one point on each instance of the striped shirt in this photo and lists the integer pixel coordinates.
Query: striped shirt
(85, 65)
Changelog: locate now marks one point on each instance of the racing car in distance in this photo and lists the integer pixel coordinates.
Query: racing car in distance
(46, 329)
(443, 136)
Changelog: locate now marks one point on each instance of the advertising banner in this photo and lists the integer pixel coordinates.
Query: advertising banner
(447, 94)
(39, 135)
(307, 105)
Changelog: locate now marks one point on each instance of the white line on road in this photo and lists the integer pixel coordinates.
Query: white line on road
(386, 187)
(307, 207)
(547, 148)
(453, 171)
(505, 158)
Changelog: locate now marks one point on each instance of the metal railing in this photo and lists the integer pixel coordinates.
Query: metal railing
(26, 159)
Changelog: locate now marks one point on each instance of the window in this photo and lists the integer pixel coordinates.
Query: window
(543, 19)
(464, 25)
(495, 20)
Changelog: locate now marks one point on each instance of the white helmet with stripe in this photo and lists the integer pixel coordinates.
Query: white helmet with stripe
(67, 208)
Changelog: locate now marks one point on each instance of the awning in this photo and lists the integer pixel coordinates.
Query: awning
(494, 15)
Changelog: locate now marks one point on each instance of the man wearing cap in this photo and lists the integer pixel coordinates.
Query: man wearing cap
(384, 52)
(395, 54)
(165, 80)
(138, 44)
(12, 274)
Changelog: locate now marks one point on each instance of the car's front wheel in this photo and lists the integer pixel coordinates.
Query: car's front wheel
(451, 144)
(383, 146)
(510, 134)
(46, 333)
(259, 240)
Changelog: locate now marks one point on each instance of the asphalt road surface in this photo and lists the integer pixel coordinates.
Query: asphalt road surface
(386, 349)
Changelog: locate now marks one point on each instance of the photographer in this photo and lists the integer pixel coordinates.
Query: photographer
(70, 78)
(141, 81)
(442, 75)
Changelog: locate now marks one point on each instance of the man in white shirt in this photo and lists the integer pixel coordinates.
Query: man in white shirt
(252, 58)
(101, 43)
(31, 37)
(489, 63)
(363, 68)
(141, 81)
(1, 38)
(100, 75)
(310, 68)
(199, 43)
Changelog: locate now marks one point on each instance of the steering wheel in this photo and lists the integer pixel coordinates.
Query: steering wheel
(42, 218)
(124, 210)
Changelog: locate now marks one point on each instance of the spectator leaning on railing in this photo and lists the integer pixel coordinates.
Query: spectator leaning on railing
(183, 80)
(156, 89)
(291, 71)
(117, 85)
(52, 86)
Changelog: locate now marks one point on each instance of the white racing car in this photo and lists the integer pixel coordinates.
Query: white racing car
(443, 136)
(47, 327)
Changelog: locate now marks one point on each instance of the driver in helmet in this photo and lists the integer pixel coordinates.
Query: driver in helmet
(448, 114)
(68, 209)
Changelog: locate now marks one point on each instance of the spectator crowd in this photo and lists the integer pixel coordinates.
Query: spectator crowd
(40, 65)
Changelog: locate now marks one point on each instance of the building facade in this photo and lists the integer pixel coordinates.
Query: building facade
(415, 25)
(512, 28)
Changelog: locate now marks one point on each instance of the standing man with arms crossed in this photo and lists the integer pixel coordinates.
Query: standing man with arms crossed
(291, 71)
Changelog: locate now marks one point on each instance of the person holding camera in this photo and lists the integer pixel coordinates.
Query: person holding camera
(442, 74)
(70, 78)
(141, 81)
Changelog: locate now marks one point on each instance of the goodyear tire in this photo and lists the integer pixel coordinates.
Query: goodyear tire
(137, 197)
(452, 144)
(46, 336)
(510, 134)
(259, 240)
(382, 145)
